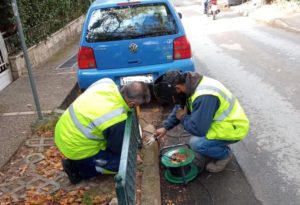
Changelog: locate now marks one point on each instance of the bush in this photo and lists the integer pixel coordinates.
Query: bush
(6, 17)
(41, 18)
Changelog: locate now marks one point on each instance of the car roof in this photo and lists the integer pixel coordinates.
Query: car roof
(105, 3)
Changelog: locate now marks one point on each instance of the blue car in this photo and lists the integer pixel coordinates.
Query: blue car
(132, 41)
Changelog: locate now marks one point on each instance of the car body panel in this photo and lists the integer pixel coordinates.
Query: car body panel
(87, 77)
(158, 52)
(118, 57)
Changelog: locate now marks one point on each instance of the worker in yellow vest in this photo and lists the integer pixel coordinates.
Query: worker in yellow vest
(209, 112)
(90, 132)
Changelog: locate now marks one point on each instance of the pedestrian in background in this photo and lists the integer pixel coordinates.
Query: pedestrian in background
(205, 4)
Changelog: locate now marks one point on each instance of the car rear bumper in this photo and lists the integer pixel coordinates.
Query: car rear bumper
(89, 76)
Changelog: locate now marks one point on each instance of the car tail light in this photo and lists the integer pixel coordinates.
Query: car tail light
(86, 58)
(182, 48)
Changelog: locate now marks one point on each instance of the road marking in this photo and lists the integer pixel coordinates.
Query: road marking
(63, 73)
(235, 46)
(23, 113)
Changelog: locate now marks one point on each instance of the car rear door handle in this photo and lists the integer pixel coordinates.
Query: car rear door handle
(134, 61)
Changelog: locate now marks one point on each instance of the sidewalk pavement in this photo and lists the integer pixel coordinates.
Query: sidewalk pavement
(285, 16)
(17, 107)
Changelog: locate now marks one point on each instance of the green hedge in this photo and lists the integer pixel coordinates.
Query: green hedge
(41, 18)
(6, 16)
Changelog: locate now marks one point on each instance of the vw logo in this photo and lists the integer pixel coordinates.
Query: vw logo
(133, 48)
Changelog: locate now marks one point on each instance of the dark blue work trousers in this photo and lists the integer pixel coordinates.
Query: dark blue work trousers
(108, 159)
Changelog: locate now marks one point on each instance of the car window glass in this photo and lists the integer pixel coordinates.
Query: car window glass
(130, 22)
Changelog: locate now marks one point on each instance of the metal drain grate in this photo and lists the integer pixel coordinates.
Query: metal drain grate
(70, 63)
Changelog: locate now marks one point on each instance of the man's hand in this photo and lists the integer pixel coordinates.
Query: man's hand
(161, 132)
(181, 113)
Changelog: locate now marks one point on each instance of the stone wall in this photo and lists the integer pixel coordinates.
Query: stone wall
(44, 50)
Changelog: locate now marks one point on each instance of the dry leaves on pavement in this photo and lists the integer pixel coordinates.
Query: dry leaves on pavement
(51, 163)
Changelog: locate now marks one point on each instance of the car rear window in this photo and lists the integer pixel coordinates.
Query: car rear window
(130, 22)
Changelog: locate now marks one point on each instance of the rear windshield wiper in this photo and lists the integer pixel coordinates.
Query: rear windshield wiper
(149, 34)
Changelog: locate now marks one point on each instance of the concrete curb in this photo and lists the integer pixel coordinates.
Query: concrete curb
(150, 184)
(151, 178)
(280, 23)
(254, 13)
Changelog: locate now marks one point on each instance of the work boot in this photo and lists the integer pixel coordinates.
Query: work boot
(71, 171)
(219, 165)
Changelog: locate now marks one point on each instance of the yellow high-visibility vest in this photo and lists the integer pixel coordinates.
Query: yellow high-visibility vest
(79, 131)
(230, 121)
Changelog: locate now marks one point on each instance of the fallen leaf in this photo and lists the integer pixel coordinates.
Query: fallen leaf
(22, 170)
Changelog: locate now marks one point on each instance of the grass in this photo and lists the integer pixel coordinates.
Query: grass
(46, 124)
(87, 199)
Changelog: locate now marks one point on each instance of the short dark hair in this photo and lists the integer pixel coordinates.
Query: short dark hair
(136, 91)
(174, 77)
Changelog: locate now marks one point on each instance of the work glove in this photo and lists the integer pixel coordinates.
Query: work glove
(150, 140)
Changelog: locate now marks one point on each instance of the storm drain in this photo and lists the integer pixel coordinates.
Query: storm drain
(75, 92)
(69, 63)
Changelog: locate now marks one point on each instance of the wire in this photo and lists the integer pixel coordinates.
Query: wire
(209, 194)
(183, 134)
(202, 166)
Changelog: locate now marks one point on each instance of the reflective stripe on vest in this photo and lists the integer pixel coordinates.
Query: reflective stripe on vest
(87, 131)
(231, 101)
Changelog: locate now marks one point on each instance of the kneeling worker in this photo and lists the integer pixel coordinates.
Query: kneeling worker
(210, 113)
(90, 132)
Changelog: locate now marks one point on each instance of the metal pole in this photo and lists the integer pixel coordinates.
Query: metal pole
(27, 61)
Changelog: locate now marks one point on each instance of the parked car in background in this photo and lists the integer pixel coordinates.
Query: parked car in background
(132, 40)
(234, 2)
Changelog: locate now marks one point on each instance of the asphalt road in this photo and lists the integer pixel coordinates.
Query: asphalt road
(260, 65)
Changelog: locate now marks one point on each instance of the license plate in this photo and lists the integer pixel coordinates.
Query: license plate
(129, 79)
